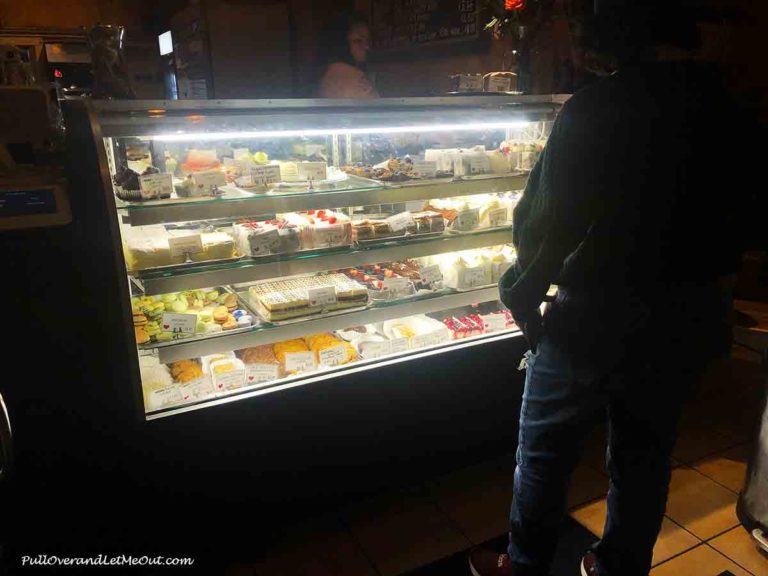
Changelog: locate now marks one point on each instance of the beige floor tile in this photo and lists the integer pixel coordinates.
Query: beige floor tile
(728, 468)
(701, 506)
(701, 561)
(402, 533)
(586, 484)
(739, 546)
(672, 539)
(321, 548)
(477, 499)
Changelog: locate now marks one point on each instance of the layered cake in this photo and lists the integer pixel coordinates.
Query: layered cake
(269, 237)
(148, 247)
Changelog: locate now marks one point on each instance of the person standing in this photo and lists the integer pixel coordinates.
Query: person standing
(346, 43)
(637, 212)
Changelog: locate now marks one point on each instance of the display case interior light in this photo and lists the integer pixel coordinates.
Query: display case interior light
(181, 136)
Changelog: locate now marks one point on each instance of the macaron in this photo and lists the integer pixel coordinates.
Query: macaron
(220, 314)
(211, 328)
(230, 302)
(205, 315)
(230, 324)
(239, 312)
(244, 321)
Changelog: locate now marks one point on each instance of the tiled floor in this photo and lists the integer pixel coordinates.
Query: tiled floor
(700, 536)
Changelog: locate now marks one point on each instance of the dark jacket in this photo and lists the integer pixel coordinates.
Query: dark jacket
(637, 203)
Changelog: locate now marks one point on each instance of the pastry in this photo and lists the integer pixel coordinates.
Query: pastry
(231, 302)
(148, 247)
(288, 346)
(220, 314)
(362, 230)
(230, 323)
(139, 319)
(141, 335)
(185, 370)
(200, 160)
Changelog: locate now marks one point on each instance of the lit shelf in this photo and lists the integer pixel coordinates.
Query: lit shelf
(250, 270)
(269, 333)
(357, 192)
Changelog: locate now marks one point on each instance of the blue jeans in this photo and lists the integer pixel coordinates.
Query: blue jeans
(562, 402)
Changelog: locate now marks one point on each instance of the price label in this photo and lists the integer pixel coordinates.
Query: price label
(373, 350)
(208, 181)
(424, 340)
(258, 373)
(197, 388)
(265, 243)
(299, 361)
(467, 220)
(265, 175)
(498, 217)
(494, 322)
(312, 170)
(470, 83)
(229, 380)
(328, 236)
(499, 84)
(333, 356)
(431, 274)
(399, 345)
(156, 185)
(179, 323)
(164, 397)
(500, 267)
(323, 296)
(478, 164)
(474, 277)
(424, 169)
(397, 286)
(181, 245)
(400, 221)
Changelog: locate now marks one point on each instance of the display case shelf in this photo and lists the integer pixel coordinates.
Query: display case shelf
(358, 192)
(249, 270)
(269, 333)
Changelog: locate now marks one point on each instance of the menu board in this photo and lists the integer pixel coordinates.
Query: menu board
(404, 24)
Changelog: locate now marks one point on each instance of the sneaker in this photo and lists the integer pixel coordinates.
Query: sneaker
(483, 562)
(589, 564)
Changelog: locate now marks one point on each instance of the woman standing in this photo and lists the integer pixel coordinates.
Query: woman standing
(346, 43)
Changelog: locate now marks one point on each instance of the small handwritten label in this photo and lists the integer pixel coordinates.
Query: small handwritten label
(333, 356)
(424, 169)
(164, 397)
(156, 186)
(228, 380)
(329, 236)
(498, 84)
(312, 170)
(478, 164)
(494, 322)
(474, 277)
(258, 373)
(197, 388)
(299, 361)
(431, 274)
(179, 323)
(322, 296)
(265, 175)
(397, 286)
(265, 243)
(371, 350)
(498, 217)
(181, 245)
(399, 345)
(430, 339)
(467, 220)
(400, 221)
(207, 182)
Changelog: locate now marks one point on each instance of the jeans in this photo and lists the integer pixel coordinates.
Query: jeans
(643, 396)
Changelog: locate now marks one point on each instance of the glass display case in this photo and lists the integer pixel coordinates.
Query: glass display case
(273, 244)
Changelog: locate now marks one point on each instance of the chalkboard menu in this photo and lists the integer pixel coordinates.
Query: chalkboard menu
(403, 24)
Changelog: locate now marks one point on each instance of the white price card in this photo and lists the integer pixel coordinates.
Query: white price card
(201, 387)
(229, 380)
(424, 340)
(373, 350)
(499, 84)
(479, 164)
(181, 245)
(474, 277)
(265, 175)
(164, 397)
(499, 268)
(400, 221)
(156, 186)
(467, 220)
(431, 273)
(399, 345)
(179, 323)
(322, 296)
(258, 373)
(206, 182)
(329, 236)
(263, 244)
(494, 322)
(312, 170)
(299, 361)
(498, 217)
(333, 356)
(424, 169)
(399, 286)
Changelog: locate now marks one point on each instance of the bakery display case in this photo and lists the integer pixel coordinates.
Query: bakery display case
(267, 245)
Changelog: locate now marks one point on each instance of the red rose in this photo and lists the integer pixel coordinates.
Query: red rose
(512, 5)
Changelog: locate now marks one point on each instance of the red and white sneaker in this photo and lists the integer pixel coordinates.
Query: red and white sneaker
(483, 562)
(589, 564)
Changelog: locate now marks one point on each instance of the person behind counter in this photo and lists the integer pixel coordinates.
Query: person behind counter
(346, 42)
(617, 212)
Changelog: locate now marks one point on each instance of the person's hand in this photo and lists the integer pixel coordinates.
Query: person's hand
(533, 330)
